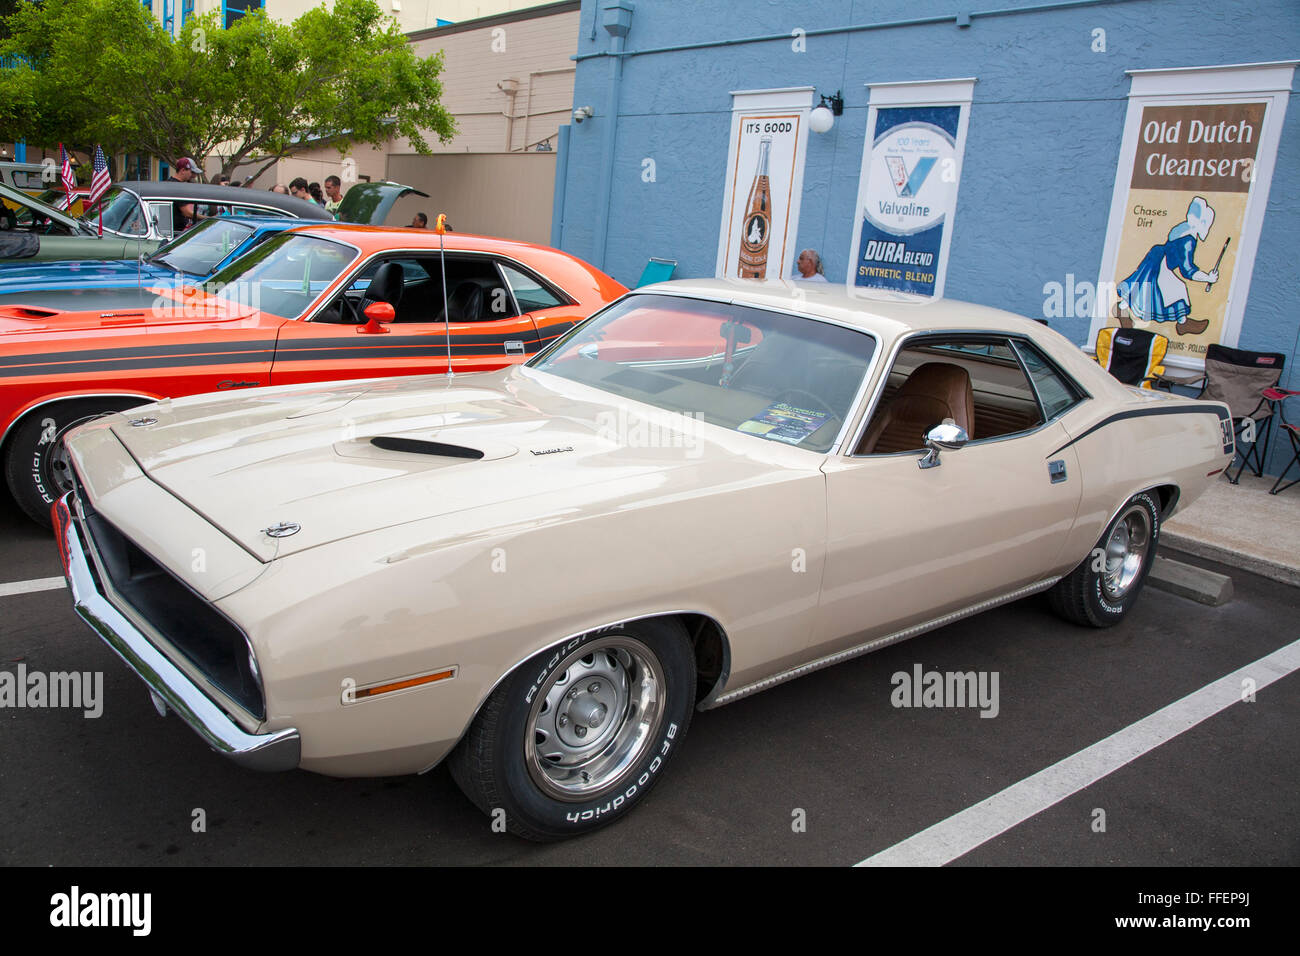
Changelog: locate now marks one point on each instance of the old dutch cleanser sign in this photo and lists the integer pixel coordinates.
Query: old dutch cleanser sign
(1188, 203)
(907, 188)
(765, 160)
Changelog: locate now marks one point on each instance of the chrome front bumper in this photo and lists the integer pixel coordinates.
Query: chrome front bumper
(281, 750)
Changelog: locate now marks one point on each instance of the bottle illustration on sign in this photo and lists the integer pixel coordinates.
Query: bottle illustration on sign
(758, 219)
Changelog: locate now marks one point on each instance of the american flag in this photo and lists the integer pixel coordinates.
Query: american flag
(100, 181)
(66, 174)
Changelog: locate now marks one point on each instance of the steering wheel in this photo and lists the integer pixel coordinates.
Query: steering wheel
(818, 402)
(350, 310)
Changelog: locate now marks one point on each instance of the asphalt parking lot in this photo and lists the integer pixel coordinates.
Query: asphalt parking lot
(824, 770)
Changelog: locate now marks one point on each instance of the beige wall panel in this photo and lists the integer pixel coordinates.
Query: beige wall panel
(504, 194)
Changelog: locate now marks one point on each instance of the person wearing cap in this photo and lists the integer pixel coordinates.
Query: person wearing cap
(184, 171)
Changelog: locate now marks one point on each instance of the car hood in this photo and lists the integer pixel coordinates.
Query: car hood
(370, 203)
(80, 274)
(363, 456)
(51, 312)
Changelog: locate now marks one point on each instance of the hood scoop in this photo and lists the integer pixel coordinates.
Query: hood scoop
(418, 453)
(419, 446)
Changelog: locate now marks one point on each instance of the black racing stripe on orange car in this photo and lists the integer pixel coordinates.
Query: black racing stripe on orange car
(430, 349)
(128, 364)
(163, 356)
(137, 351)
(424, 338)
(1205, 409)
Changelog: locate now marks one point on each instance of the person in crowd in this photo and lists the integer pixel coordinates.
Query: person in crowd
(421, 221)
(334, 194)
(184, 216)
(185, 170)
(810, 266)
(298, 187)
(280, 188)
(317, 196)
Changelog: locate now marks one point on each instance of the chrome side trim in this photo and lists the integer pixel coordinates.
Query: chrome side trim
(280, 750)
(879, 642)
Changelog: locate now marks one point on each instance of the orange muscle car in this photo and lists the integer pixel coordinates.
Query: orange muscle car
(317, 303)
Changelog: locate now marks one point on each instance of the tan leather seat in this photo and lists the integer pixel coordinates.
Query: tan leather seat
(933, 392)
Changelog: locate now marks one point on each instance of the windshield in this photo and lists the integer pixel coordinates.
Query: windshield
(122, 213)
(285, 275)
(200, 250)
(775, 376)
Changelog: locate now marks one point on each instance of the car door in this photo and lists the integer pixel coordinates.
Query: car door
(487, 328)
(906, 544)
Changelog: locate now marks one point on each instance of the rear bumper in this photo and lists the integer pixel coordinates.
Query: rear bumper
(280, 750)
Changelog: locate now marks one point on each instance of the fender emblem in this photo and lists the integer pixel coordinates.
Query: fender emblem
(141, 422)
(283, 529)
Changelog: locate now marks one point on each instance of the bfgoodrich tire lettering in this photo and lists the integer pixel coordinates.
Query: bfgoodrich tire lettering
(577, 736)
(1105, 585)
(33, 465)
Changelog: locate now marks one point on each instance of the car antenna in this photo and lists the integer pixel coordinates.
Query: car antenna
(440, 227)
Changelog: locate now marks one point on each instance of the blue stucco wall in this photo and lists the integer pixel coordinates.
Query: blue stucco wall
(1041, 153)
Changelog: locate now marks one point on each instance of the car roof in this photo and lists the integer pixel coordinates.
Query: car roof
(206, 192)
(380, 238)
(887, 313)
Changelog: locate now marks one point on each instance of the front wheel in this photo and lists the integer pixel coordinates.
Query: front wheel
(1105, 586)
(577, 736)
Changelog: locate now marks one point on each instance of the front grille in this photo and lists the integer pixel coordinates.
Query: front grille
(203, 634)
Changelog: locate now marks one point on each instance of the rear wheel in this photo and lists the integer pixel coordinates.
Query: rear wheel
(1105, 586)
(577, 736)
(36, 465)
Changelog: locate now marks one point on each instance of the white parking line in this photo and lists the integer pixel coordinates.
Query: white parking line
(976, 825)
(29, 587)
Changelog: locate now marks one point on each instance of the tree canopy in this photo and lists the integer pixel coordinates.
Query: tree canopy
(83, 72)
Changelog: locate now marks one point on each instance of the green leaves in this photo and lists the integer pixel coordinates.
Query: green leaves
(104, 71)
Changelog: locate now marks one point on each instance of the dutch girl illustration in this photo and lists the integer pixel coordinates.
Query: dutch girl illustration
(1154, 292)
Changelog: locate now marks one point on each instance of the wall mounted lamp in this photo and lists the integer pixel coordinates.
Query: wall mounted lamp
(823, 116)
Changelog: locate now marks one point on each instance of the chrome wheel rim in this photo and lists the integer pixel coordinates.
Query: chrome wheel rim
(1126, 552)
(58, 462)
(594, 718)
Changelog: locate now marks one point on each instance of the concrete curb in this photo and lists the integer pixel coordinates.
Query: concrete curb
(1236, 559)
(1185, 580)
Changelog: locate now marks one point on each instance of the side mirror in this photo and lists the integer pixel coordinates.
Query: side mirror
(377, 313)
(946, 436)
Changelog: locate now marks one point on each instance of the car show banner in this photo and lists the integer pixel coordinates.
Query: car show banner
(765, 162)
(907, 187)
(1188, 204)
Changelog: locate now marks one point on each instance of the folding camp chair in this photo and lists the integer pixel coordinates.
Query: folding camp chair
(657, 270)
(1134, 356)
(1277, 397)
(1241, 379)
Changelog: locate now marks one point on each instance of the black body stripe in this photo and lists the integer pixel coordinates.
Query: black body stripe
(165, 356)
(129, 363)
(1206, 409)
(139, 351)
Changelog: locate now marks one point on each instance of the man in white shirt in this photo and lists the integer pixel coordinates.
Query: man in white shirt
(810, 266)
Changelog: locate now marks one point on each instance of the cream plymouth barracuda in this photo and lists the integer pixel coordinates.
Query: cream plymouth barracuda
(539, 574)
